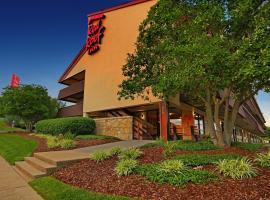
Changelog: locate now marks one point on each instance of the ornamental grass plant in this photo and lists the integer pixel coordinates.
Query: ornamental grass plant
(100, 156)
(263, 159)
(132, 153)
(125, 167)
(236, 168)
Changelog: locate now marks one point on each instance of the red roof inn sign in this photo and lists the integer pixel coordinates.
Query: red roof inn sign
(95, 33)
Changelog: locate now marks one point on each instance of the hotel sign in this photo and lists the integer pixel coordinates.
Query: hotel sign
(95, 33)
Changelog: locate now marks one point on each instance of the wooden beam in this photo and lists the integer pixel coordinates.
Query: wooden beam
(164, 120)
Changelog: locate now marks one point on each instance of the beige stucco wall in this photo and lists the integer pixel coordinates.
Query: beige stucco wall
(103, 70)
(120, 127)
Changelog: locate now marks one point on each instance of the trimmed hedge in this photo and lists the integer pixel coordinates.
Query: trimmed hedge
(74, 125)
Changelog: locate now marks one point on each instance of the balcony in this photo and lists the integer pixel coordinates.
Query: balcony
(72, 93)
(71, 111)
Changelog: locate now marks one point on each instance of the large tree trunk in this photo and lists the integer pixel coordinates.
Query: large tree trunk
(219, 134)
(210, 119)
(229, 120)
(210, 123)
(29, 126)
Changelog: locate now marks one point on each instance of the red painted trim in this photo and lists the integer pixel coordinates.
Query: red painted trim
(134, 2)
(74, 62)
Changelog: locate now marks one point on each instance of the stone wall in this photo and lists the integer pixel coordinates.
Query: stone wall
(120, 127)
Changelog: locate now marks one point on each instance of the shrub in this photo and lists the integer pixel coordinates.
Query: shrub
(131, 153)
(171, 166)
(69, 136)
(194, 160)
(248, 146)
(263, 159)
(66, 143)
(52, 142)
(99, 156)
(237, 168)
(115, 151)
(125, 167)
(74, 125)
(169, 149)
(195, 146)
(152, 172)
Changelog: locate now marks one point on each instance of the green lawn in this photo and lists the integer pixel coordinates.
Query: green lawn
(185, 145)
(5, 128)
(14, 148)
(248, 146)
(194, 160)
(96, 137)
(51, 189)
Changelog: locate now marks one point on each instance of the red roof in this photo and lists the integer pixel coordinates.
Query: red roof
(131, 3)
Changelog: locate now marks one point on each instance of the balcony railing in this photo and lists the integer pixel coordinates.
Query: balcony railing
(72, 90)
(71, 111)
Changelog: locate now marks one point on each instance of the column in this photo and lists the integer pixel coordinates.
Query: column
(164, 120)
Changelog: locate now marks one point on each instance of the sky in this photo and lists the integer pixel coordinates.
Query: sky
(40, 38)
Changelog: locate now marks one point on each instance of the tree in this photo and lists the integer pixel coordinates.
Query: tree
(29, 102)
(268, 131)
(214, 51)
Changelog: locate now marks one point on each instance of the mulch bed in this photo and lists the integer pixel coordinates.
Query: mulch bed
(100, 177)
(42, 143)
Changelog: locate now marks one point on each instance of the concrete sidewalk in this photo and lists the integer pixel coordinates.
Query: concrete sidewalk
(13, 186)
(108, 146)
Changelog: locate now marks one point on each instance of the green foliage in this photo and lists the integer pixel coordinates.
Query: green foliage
(186, 145)
(157, 143)
(171, 166)
(263, 159)
(153, 173)
(52, 142)
(74, 125)
(132, 153)
(115, 151)
(125, 167)
(96, 137)
(268, 131)
(57, 141)
(169, 149)
(218, 47)
(236, 168)
(194, 160)
(6, 128)
(99, 156)
(29, 102)
(69, 136)
(248, 146)
(14, 148)
(66, 143)
(51, 189)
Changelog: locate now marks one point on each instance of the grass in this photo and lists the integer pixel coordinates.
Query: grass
(14, 148)
(52, 189)
(153, 173)
(185, 145)
(237, 168)
(5, 128)
(248, 146)
(96, 137)
(194, 160)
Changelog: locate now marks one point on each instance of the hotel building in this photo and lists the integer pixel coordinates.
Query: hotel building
(93, 77)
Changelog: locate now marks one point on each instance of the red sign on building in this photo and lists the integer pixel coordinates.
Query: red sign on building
(95, 33)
